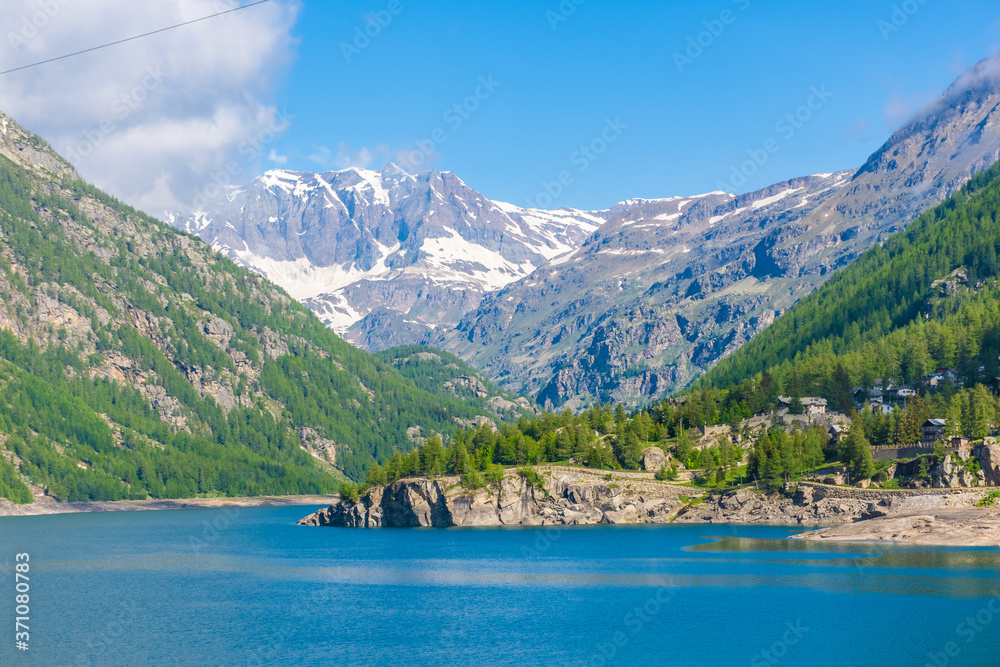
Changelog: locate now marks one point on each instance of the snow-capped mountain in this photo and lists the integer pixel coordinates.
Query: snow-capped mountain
(385, 256)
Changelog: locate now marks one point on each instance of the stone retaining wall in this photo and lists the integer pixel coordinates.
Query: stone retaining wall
(628, 481)
(874, 495)
(893, 453)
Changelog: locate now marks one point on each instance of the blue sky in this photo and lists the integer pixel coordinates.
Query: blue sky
(561, 75)
(660, 117)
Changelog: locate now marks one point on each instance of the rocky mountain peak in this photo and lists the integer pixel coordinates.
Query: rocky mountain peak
(410, 252)
(961, 127)
(981, 78)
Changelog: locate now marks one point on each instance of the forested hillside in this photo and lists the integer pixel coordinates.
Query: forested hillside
(446, 375)
(928, 298)
(136, 362)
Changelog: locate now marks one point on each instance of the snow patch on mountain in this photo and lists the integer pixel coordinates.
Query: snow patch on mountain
(347, 243)
(767, 201)
(458, 261)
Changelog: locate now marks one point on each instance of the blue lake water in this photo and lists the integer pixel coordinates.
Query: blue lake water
(248, 587)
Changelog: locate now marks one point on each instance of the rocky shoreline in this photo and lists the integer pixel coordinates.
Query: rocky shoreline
(568, 496)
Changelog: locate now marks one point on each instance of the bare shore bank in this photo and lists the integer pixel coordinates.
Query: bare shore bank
(50, 506)
(954, 527)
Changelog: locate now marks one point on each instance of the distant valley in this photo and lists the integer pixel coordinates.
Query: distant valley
(570, 307)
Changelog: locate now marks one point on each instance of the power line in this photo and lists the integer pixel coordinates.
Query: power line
(129, 39)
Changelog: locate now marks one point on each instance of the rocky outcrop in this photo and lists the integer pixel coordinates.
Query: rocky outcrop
(818, 505)
(562, 497)
(989, 459)
(942, 527)
(466, 385)
(653, 459)
(575, 497)
(319, 447)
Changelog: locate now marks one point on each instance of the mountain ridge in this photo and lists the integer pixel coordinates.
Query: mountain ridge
(334, 240)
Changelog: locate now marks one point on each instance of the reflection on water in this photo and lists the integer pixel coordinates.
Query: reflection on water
(726, 561)
(876, 554)
(268, 592)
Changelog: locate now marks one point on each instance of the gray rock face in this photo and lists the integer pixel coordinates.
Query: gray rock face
(989, 459)
(563, 498)
(653, 459)
(672, 286)
(385, 257)
(818, 505)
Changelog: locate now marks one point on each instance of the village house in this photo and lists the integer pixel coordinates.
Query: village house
(941, 376)
(933, 431)
(811, 406)
(958, 441)
(873, 396)
(836, 433)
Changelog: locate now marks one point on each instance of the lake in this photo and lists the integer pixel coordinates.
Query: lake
(249, 587)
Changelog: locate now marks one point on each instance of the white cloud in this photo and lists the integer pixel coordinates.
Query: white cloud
(322, 156)
(160, 121)
(277, 159)
(902, 108)
(346, 157)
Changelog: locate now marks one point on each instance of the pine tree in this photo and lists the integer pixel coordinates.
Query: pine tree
(856, 452)
(684, 448)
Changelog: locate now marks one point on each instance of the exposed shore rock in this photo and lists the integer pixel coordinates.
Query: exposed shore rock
(565, 496)
(653, 458)
(821, 505)
(48, 505)
(966, 527)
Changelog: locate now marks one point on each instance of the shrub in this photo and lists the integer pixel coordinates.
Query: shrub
(531, 476)
(494, 473)
(473, 480)
(349, 492)
(990, 499)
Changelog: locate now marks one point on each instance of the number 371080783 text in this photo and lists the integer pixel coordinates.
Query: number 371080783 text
(21, 599)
